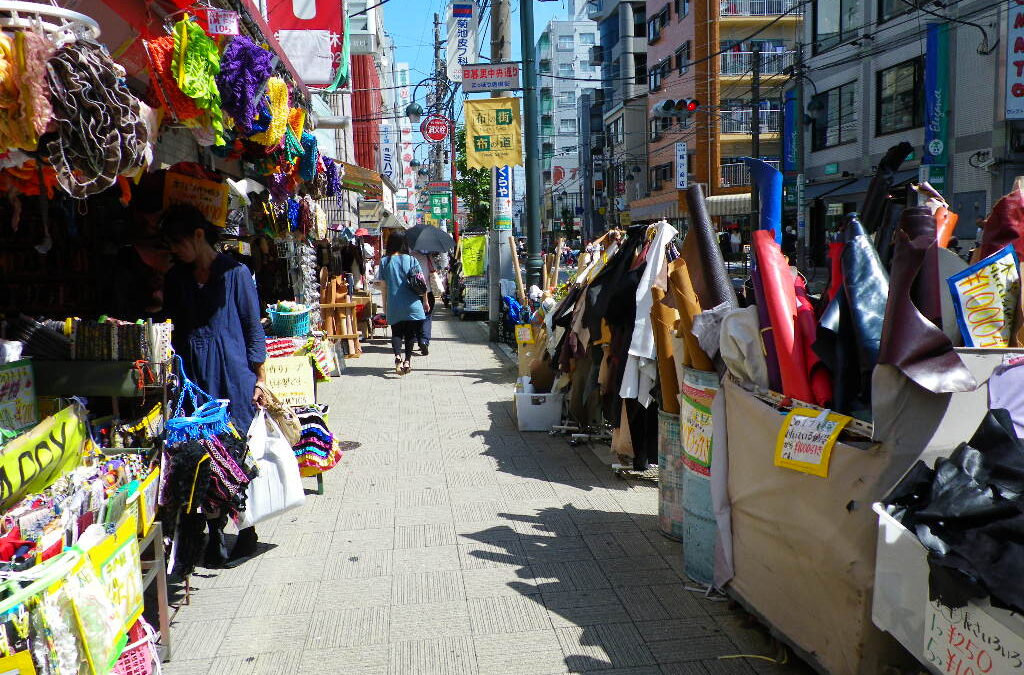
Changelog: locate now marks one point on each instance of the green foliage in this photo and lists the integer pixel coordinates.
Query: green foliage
(473, 185)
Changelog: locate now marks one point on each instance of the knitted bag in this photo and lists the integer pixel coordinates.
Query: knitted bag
(317, 451)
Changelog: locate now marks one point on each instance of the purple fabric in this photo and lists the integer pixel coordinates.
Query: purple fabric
(245, 68)
(1006, 390)
(277, 183)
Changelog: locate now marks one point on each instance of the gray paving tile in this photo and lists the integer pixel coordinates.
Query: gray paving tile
(361, 592)
(252, 635)
(418, 536)
(584, 608)
(426, 559)
(571, 576)
(361, 660)
(359, 564)
(427, 587)
(280, 599)
(508, 614)
(348, 628)
(488, 581)
(441, 656)
(199, 640)
(531, 653)
(266, 663)
(423, 622)
(603, 646)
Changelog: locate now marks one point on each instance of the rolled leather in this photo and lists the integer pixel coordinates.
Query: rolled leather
(769, 189)
(686, 301)
(806, 326)
(780, 299)
(1004, 225)
(875, 211)
(765, 322)
(703, 256)
(911, 340)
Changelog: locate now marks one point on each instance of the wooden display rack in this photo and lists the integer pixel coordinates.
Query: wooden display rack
(339, 313)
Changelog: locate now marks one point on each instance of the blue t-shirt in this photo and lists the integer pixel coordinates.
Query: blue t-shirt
(403, 304)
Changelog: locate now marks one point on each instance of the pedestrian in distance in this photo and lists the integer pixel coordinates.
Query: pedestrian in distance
(406, 309)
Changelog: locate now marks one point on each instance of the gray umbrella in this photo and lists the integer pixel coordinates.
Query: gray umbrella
(429, 239)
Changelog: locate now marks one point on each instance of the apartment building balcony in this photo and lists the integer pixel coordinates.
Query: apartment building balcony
(743, 9)
(595, 55)
(738, 175)
(595, 8)
(740, 65)
(738, 122)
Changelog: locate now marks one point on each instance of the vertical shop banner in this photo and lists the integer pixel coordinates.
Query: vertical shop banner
(936, 95)
(493, 133)
(461, 47)
(474, 256)
(388, 165)
(503, 198)
(312, 34)
(682, 165)
(790, 129)
(1014, 96)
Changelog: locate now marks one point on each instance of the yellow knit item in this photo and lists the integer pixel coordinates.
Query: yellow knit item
(277, 93)
(16, 130)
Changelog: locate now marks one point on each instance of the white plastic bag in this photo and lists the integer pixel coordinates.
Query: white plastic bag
(278, 487)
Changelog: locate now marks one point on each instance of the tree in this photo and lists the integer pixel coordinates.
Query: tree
(473, 185)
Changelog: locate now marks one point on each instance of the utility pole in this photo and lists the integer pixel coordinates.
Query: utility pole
(755, 133)
(534, 187)
(499, 256)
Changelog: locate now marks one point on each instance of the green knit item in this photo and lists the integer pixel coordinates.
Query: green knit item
(196, 67)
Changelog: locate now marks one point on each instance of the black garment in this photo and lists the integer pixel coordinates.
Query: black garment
(405, 333)
(427, 325)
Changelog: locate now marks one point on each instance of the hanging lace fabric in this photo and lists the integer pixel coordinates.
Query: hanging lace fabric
(100, 132)
(245, 68)
(277, 104)
(161, 67)
(195, 67)
(24, 101)
(310, 157)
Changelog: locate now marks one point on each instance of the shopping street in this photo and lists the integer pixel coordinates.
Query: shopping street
(451, 543)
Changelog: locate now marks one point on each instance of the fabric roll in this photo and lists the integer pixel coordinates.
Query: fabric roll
(689, 306)
(780, 299)
(875, 211)
(765, 323)
(835, 258)
(806, 326)
(911, 340)
(703, 256)
(741, 347)
(663, 319)
(1004, 225)
(769, 189)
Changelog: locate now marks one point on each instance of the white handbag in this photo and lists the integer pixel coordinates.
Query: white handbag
(278, 486)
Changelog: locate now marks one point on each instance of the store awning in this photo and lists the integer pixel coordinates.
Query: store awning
(852, 186)
(729, 205)
(363, 181)
(370, 211)
(390, 222)
(663, 211)
(818, 190)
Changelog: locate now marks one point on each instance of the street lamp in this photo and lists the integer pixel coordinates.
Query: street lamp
(415, 164)
(414, 111)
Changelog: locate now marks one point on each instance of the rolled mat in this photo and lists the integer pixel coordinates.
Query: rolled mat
(708, 274)
(780, 299)
(910, 340)
(681, 287)
(663, 319)
(769, 189)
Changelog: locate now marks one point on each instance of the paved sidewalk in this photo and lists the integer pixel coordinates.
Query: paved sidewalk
(451, 543)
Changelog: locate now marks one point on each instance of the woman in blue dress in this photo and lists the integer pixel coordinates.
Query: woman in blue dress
(405, 309)
(212, 301)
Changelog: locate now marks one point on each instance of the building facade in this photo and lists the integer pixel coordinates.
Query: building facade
(563, 52)
(864, 91)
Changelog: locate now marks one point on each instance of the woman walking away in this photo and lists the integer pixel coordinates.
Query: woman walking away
(213, 303)
(406, 309)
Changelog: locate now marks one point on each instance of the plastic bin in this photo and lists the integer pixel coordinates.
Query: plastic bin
(538, 412)
(289, 324)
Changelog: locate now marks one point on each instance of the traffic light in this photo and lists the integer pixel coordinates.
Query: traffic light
(680, 107)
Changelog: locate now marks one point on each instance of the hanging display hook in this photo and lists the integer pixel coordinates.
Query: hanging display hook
(57, 21)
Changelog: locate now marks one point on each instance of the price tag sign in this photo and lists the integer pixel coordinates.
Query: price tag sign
(222, 22)
(967, 641)
(806, 440)
(524, 334)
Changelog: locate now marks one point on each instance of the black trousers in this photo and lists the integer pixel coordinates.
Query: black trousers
(404, 334)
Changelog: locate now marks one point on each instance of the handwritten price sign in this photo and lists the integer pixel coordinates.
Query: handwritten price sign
(806, 440)
(222, 22)
(967, 641)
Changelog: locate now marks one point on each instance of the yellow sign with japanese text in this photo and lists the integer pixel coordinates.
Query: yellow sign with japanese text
(474, 256)
(806, 440)
(209, 197)
(32, 461)
(493, 133)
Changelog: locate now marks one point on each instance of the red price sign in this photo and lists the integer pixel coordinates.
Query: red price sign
(435, 128)
(967, 641)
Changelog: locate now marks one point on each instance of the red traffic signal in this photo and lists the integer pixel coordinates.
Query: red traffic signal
(692, 104)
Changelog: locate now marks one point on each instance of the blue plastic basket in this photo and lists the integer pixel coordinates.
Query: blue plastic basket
(289, 324)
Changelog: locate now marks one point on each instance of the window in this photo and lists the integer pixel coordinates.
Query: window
(586, 67)
(566, 99)
(587, 39)
(565, 43)
(682, 8)
(639, 21)
(889, 9)
(660, 176)
(657, 126)
(658, 73)
(899, 104)
(616, 131)
(565, 70)
(833, 117)
(567, 127)
(655, 24)
(360, 21)
(834, 22)
(683, 58)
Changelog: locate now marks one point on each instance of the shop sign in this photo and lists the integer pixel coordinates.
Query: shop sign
(967, 640)
(503, 198)
(474, 256)
(441, 205)
(291, 379)
(934, 174)
(19, 408)
(435, 128)
(832, 168)
(936, 94)
(462, 37)
(698, 393)
(312, 35)
(388, 167)
(484, 77)
(221, 22)
(806, 440)
(209, 197)
(1014, 102)
(44, 453)
(790, 132)
(116, 561)
(985, 297)
(493, 133)
(682, 166)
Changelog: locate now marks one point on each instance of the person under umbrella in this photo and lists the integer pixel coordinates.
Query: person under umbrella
(425, 240)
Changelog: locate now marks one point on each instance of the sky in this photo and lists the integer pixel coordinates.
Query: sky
(410, 24)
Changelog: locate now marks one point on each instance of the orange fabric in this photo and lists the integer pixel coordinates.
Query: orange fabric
(945, 224)
(161, 77)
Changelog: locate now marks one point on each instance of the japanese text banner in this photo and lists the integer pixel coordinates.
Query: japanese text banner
(493, 133)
